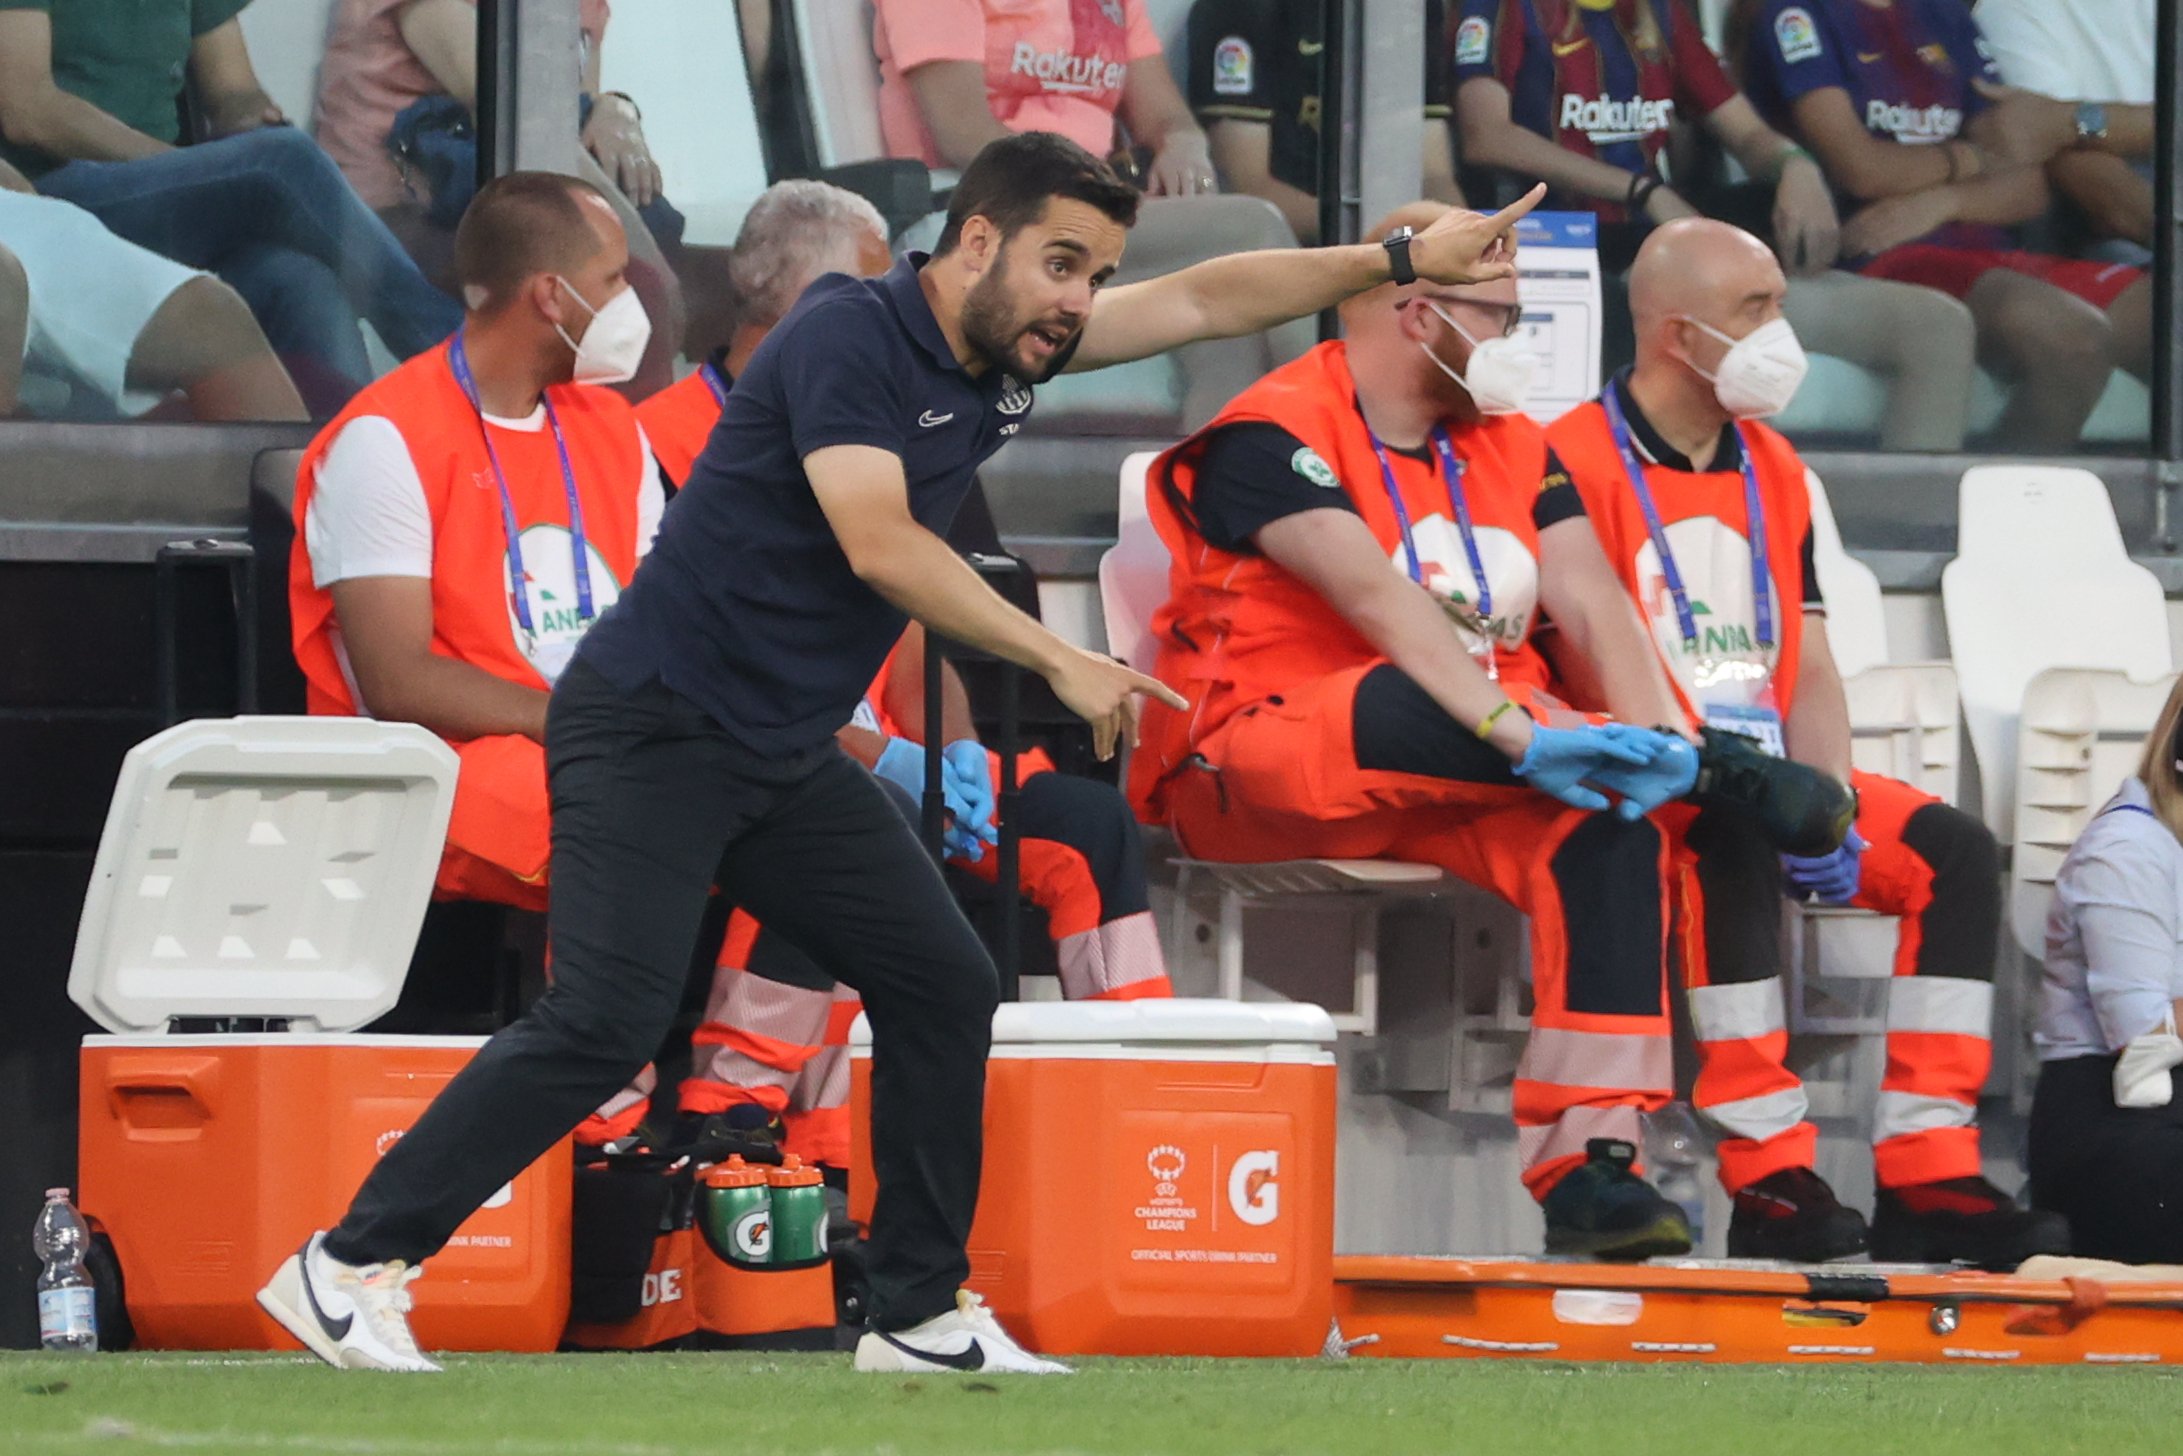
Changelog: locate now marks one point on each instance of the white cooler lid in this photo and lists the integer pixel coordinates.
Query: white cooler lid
(1195, 1021)
(263, 867)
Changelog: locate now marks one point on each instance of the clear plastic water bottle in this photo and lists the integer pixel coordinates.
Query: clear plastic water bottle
(1675, 1148)
(67, 1303)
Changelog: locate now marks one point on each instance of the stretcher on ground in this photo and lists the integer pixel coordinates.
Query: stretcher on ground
(1742, 1311)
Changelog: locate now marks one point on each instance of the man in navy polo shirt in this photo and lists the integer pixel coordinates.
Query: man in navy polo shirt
(691, 742)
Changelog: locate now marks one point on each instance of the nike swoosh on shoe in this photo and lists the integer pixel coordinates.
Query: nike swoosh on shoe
(972, 1358)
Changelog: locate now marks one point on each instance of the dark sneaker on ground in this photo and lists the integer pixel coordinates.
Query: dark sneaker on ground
(1802, 811)
(1601, 1208)
(1793, 1216)
(746, 1130)
(1962, 1221)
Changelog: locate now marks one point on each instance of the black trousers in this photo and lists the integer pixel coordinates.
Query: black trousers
(2116, 1173)
(654, 806)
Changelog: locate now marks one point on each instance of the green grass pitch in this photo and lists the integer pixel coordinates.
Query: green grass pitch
(756, 1405)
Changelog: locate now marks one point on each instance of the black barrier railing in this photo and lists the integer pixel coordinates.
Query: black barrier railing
(2167, 439)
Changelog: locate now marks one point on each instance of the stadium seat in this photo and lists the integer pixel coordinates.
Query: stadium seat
(683, 61)
(840, 74)
(2041, 579)
(280, 863)
(1132, 585)
(287, 41)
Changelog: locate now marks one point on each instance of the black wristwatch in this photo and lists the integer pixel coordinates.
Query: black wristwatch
(1397, 245)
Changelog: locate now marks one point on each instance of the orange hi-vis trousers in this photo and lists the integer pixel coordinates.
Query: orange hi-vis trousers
(1935, 867)
(1361, 764)
(776, 1028)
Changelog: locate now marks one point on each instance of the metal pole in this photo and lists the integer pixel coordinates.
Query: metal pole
(1334, 134)
(2167, 439)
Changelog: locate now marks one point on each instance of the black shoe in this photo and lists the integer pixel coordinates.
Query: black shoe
(1603, 1209)
(1962, 1221)
(1793, 1216)
(745, 1130)
(1801, 810)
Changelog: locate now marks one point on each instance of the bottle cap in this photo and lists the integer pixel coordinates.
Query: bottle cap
(793, 1174)
(735, 1173)
(53, 1193)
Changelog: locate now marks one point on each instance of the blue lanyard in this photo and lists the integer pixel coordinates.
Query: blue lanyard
(715, 383)
(1762, 594)
(459, 361)
(1451, 474)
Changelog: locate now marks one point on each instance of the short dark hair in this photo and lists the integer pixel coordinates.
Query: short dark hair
(1010, 182)
(518, 225)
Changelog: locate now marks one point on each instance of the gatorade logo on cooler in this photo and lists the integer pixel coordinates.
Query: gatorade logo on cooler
(1254, 1190)
(753, 1236)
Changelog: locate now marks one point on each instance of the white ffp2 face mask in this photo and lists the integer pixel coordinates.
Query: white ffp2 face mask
(1759, 374)
(1498, 377)
(613, 346)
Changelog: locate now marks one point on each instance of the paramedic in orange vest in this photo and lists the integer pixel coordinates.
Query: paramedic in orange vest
(1705, 516)
(1356, 577)
(774, 1043)
(467, 516)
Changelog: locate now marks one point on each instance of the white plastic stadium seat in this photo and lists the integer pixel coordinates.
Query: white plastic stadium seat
(2080, 737)
(287, 40)
(683, 62)
(278, 863)
(2040, 580)
(841, 78)
(1133, 582)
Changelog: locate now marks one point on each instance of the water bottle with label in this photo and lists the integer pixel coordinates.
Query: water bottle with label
(1675, 1149)
(67, 1308)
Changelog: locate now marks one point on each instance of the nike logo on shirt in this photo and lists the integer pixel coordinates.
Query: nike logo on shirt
(928, 419)
(971, 1357)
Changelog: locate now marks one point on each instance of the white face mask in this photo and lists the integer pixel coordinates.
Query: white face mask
(1498, 378)
(1759, 374)
(612, 347)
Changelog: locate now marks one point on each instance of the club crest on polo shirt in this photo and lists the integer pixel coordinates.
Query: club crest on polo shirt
(1232, 66)
(1015, 396)
(1473, 39)
(549, 584)
(1796, 35)
(1311, 465)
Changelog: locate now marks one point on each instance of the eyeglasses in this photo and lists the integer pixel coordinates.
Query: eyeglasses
(1510, 314)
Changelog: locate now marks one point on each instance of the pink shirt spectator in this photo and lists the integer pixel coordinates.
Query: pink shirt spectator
(1050, 65)
(369, 75)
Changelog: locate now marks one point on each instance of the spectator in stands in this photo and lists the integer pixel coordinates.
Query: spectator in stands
(955, 74)
(1256, 75)
(775, 1039)
(388, 60)
(1728, 590)
(468, 517)
(91, 96)
(1889, 95)
(1584, 96)
(2096, 62)
(91, 315)
(1357, 576)
(2106, 1126)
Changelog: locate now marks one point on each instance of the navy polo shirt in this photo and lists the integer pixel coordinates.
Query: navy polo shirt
(746, 605)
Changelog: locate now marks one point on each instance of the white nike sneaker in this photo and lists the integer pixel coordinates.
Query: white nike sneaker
(353, 1319)
(967, 1338)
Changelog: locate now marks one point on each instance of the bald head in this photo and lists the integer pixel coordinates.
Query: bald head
(525, 224)
(1700, 268)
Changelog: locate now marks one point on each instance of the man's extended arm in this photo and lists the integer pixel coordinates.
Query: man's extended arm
(1818, 731)
(386, 628)
(1244, 293)
(866, 500)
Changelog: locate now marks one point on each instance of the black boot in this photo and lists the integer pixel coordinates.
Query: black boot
(1802, 811)
(1602, 1208)
(1962, 1221)
(1793, 1216)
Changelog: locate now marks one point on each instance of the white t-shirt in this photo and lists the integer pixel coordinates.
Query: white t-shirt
(2073, 50)
(368, 517)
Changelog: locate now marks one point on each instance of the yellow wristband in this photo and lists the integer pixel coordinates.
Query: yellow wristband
(1485, 724)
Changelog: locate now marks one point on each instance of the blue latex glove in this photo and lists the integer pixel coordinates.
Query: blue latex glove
(1672, 773)
(1559, 760)
(902, 763)
(969, 772)
(1831, 879)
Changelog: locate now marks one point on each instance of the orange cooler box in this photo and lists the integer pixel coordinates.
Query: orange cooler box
(276, 870)
(1159, 1176)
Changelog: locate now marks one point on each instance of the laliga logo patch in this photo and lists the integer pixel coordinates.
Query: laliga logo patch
(1254, 1188)
(1472, 39)
(752, 1236)
(1015, 396)
(1796, 35)
(1232, 64)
